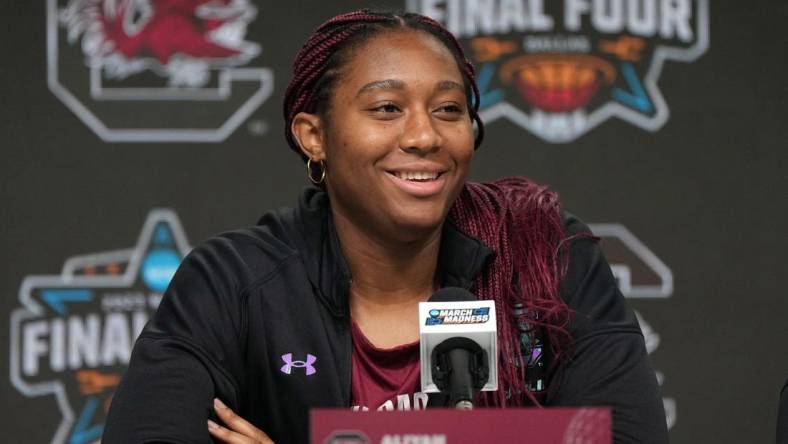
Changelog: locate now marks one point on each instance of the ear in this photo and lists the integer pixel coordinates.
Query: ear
(307, 130)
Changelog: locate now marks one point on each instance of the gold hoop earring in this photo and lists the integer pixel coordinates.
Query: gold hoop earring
(322, 166)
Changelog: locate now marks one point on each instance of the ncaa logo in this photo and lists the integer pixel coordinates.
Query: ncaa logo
(73, 334)
(559, 68)
(133, 70)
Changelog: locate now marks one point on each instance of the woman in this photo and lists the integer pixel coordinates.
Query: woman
(316, 306)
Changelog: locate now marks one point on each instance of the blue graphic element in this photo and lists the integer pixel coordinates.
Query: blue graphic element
(636, 97)
(481, 311)
(158, 268)
(163, 236)
(483, 81)
(82, 432)
(434, 321)
(56, 298)
(434, 313)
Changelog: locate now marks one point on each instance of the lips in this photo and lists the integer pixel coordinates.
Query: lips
(416, 175)
(418, 183)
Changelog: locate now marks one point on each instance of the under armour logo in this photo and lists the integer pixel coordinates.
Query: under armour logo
(289, 364)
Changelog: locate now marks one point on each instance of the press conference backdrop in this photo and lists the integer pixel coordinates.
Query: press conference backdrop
(660, 122)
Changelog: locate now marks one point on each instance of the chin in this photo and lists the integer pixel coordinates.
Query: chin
(416, 224)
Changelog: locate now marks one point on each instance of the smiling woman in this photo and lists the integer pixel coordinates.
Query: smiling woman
(317, 306)
(396, 138)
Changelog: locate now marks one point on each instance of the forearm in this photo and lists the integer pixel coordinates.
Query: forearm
(165, 396)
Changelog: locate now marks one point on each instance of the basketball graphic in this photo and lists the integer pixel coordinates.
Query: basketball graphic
(560, 69)
(558, 82)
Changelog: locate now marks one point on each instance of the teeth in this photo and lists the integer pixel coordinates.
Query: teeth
(418, 175)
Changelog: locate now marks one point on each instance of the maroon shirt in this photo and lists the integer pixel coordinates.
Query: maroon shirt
(385, 379)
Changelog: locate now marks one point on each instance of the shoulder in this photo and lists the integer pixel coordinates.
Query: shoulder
(209, 288)
(583, 256)
(245, 255)
(230, 263)
(576, 228)
(589, 287)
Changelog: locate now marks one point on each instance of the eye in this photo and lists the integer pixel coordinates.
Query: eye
(386, 108)
(450, 110)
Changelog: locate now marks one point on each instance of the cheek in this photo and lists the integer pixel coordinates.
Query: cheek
(348, 156)
(462, 142)
(359, 145)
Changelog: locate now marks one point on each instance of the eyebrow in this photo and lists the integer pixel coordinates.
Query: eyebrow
(447, 85)
(444, 85)
(381, 84)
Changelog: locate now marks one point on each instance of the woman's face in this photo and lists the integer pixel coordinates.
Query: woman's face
(398, 139)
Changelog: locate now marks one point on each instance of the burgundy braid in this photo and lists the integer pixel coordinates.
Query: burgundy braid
(521, 221)
(313, 63)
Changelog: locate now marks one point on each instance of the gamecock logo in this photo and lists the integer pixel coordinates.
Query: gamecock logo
(144, 63)
(560, 68)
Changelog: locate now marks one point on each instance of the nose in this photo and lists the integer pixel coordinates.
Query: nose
(419, 136)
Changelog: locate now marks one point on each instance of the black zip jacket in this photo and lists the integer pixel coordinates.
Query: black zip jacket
(260, 319)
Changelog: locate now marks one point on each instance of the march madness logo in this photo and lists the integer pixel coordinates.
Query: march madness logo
(133, 70)
(560, 68)
(462, 316)
(74, 334)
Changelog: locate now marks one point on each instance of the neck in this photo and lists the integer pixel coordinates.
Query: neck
(387, 272)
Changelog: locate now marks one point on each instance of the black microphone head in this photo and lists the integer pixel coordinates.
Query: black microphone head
(452, 294)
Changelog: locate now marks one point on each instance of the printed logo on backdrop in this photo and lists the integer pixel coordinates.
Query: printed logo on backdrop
(156, 70)
(73, 336)
(640, 274)
(561, 68)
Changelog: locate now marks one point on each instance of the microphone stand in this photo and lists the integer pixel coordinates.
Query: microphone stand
(460, 369)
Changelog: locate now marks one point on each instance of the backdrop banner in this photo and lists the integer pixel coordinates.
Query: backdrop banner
(136, 129)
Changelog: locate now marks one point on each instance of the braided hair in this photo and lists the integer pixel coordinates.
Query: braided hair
(319, 63)
(519, 220)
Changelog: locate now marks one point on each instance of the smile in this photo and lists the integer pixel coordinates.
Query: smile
(420, 184)
(416, 175)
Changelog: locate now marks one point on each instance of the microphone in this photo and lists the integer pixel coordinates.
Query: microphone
(457, 336)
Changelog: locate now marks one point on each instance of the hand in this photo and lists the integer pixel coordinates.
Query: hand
(238, 430)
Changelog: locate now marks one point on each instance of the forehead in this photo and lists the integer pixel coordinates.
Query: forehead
(408, 55)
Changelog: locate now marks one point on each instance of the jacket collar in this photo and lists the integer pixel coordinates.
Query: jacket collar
(460, 260)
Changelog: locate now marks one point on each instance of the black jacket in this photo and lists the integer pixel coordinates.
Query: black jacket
(247, 308)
